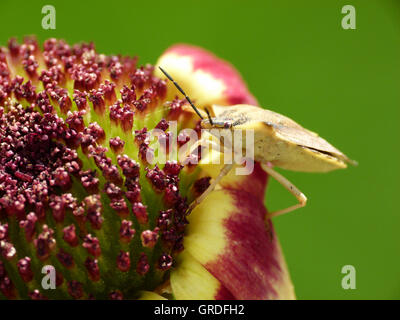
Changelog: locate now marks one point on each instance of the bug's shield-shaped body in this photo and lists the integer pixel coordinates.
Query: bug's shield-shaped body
(281, 141)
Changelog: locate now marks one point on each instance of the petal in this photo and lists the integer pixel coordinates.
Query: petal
(149, 295)
(227, 236)
(191, 281)
(205, 78)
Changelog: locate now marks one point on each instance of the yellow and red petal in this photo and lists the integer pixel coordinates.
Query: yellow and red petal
(192, 281)
(227, 237)
(206, 78)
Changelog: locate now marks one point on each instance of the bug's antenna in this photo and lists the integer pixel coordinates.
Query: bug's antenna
(209, 117)
(183, 92)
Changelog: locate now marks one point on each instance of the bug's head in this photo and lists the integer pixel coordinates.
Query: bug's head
(211, 123)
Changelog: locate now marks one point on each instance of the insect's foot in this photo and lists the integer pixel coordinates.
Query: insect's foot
(191, 207)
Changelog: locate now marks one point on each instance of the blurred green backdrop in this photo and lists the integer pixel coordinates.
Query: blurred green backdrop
(298, 61)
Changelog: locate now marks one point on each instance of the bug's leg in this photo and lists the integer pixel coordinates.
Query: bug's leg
(193, 147)
(224, 171)
(290, 187)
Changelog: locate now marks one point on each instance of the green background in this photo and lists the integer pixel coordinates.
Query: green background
(298, 61)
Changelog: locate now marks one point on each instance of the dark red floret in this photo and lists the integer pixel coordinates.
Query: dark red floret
(7, 287)
(113, 191)
(66, 259)
(75, 289)
(140, 212)
(75, 120)
(89, 181)
(157, 178)
(69, 235)
(80, 98)
(24, 269)
(29, 225)
(142, 136)
(108, 90)
(126, 232)
(123, 261)
(142, 76)
(117, 145)
(116, 295)
(143, 265)
(120, 206)
(165, 262)
(93, 269)
(130, 167)
(92, 245)
(149, 238)
(172, 168)
(45, 243)
(128, 95)
(36, 295)
(165, 219)
(97, 98)
(133, 193)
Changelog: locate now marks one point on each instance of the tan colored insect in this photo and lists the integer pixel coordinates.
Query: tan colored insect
(278, 141)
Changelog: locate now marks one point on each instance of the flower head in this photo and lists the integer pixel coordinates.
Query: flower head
(79, 189)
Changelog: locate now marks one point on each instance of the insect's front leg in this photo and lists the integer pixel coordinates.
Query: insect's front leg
(224, 171)
(215, 146)
(228, 156)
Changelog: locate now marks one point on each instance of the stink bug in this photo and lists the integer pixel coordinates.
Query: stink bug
(278, 141)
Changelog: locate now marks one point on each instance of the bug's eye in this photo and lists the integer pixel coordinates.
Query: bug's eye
(227, 125)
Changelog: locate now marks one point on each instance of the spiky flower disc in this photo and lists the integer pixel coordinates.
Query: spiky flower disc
(76, 190)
